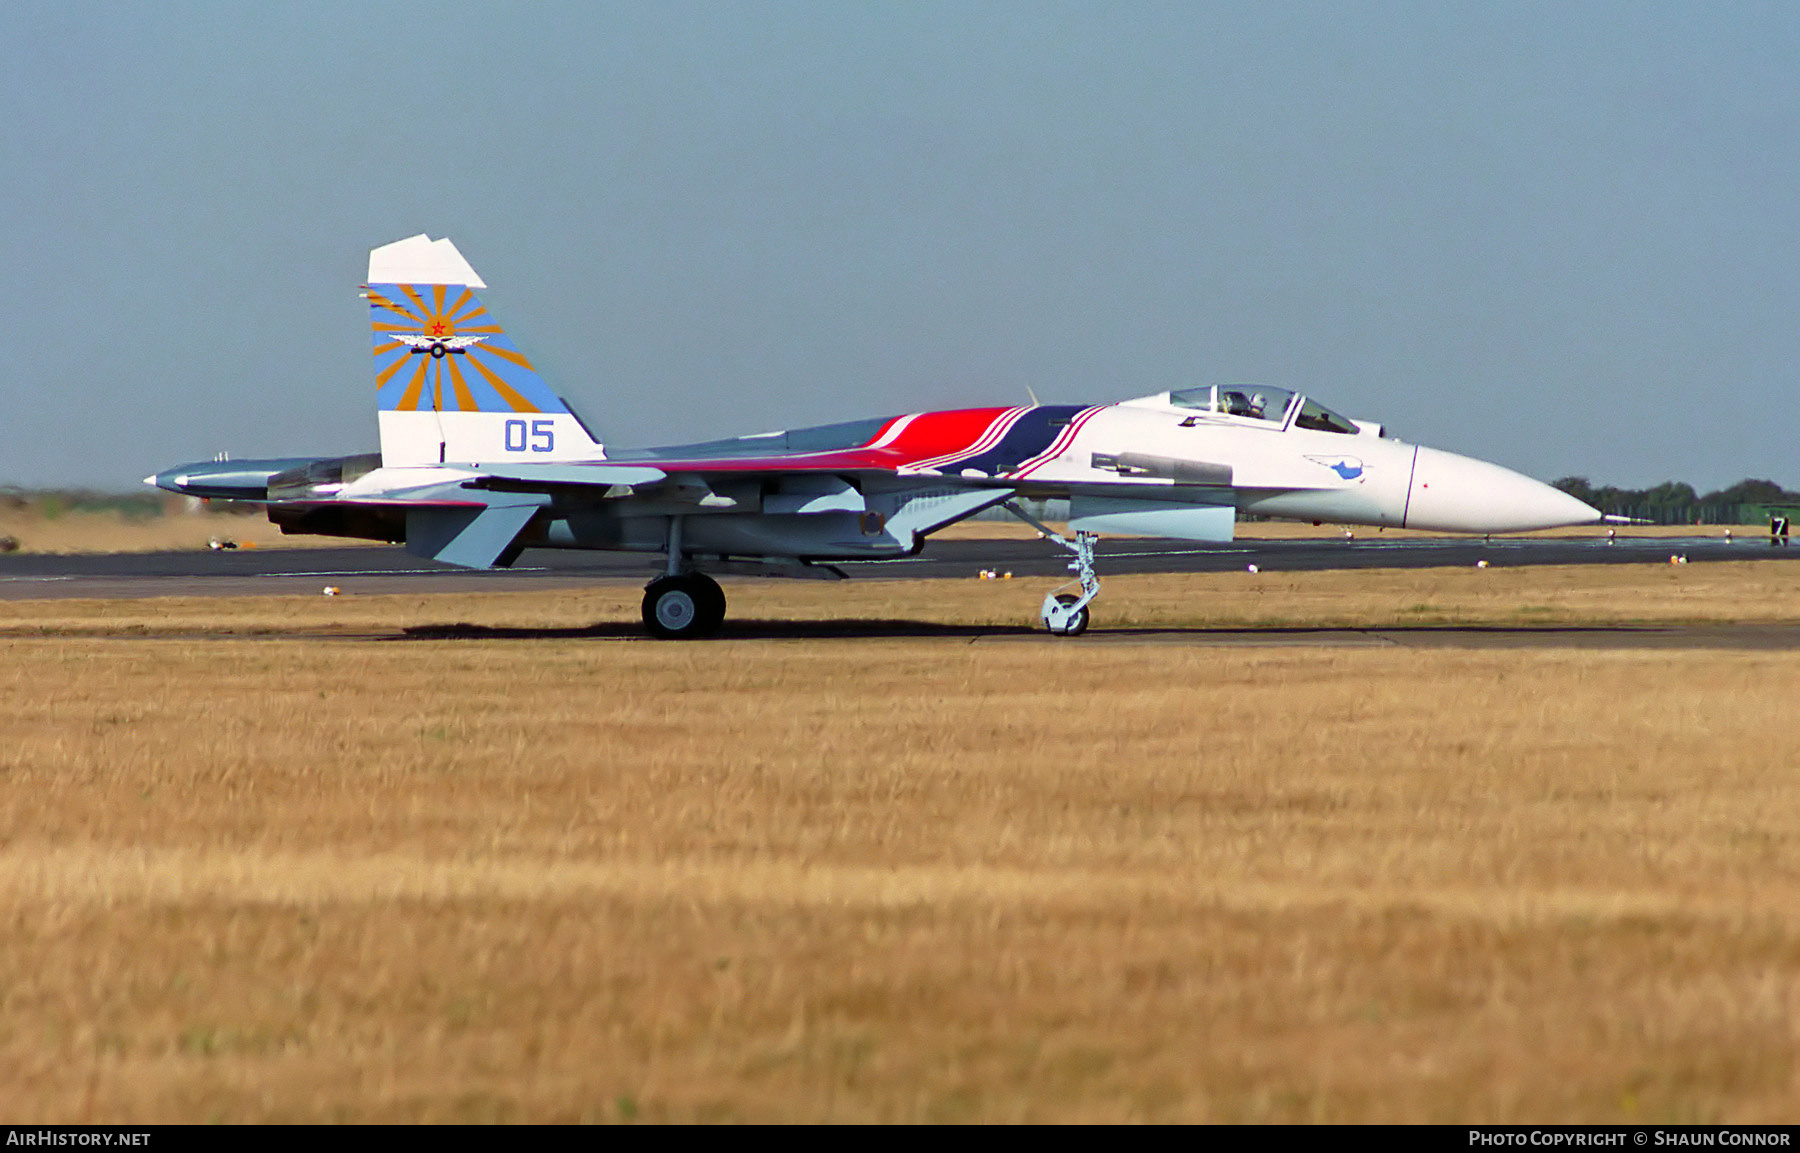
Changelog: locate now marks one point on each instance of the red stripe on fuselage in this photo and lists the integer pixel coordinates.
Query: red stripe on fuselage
(1001, 422)
(932, 435)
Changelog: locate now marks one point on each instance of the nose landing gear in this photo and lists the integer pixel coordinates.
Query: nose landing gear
(1065, 613)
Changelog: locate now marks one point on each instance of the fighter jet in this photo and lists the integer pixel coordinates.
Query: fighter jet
(480, 459)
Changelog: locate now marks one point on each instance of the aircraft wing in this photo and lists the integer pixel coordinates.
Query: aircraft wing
(605, 478)
(556, 477)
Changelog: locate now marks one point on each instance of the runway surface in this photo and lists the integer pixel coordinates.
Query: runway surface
(374, 570)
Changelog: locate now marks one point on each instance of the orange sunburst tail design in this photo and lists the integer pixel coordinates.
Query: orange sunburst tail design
(450, 384)
(442, 323)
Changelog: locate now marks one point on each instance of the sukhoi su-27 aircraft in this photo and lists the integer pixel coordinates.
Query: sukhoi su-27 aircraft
(481, 459)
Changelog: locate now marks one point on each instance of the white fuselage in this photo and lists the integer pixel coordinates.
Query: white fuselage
(1303, 474)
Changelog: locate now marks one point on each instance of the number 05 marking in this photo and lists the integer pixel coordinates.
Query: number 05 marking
(537, 436)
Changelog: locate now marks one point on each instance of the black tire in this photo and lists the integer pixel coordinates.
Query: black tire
(1075, 627)
(712, 603)
(676, 607)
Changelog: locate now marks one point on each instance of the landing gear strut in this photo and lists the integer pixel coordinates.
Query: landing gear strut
(680, 604)
(1065, 612)
(683, 606)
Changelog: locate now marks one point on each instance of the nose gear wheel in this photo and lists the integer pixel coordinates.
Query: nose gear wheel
(1065, 615)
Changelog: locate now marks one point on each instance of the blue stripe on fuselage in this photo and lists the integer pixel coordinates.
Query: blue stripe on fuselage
(1031, 434)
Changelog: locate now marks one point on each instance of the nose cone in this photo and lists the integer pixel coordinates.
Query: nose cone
(174, 479)
(1460, 494)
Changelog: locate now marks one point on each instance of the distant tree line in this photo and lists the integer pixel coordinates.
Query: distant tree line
(1675, 502)
(52, 503)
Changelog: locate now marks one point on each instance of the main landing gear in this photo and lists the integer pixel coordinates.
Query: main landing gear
(683, 606)
(1065, 612)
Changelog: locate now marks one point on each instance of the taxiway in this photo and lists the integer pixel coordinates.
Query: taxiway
(260, 572)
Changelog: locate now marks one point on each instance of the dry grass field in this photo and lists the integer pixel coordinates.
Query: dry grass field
(459, 859)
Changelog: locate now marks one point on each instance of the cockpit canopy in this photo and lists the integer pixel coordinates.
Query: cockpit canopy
(1256, 401)
(1259, 402)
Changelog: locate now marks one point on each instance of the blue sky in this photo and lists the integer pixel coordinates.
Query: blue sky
(1560, 236)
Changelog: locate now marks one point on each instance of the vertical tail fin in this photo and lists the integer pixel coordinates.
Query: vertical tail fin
(450, 385)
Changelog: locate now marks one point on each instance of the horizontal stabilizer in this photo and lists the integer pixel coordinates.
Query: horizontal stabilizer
(470, 537)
